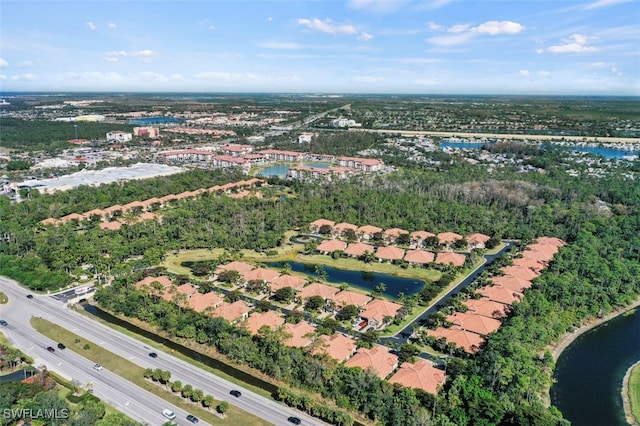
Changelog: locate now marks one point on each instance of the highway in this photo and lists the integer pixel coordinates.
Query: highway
(122, 394)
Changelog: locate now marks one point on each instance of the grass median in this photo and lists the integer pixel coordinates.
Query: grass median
(634, 392)
(134, 373)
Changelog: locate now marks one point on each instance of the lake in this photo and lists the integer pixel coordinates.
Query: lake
(281, 170)
(362, 280)
(597, 150)
(589, 372)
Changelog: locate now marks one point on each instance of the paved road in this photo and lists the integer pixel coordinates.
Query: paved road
(124, 395)
(402, 336)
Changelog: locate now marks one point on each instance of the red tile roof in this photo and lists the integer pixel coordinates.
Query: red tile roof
(299, 334)
(378, 309)
(501, 294)
(358, 249)
(421, 235)
(389, 253)
(348, 297)
(487, 308)
(331, 246)
(236, 266)
(264, 274)
(111, 226)
(447, 257)
(448, 237)
(554, 241)
(477, 238)
(231, 311)
(512, 283)
(536, 255)
(199, 302)
(419, 256)
(163, 280)
(343, 226)
(529, 263)
(283, 281)
(421, 375)
(337, 346)
(394, 232)
(368, 230)
(520, 272)
(547, 249)
(317, 289)
(320, 222)
(378, 358)
(257, 320)
(474, 322)
(466, 340)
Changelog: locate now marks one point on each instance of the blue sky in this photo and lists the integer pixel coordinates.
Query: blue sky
(541, 47)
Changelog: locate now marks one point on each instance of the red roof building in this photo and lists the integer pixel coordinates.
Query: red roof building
(419, 256)
(337, 346)
(389, 253)
(421, 375)
(449, 257)
(473, 322)
(317, 289)
(468, 341)
(301, 334)
(257, 320)
(487, 308)
(348, 297)
(358, 249)
(378, 359)
(329, 246)
(501, 294)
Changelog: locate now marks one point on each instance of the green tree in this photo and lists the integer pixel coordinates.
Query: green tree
(222, 407)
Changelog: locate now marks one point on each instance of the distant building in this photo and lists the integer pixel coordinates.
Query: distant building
(146, 132)
(345, 122)
(119, 136)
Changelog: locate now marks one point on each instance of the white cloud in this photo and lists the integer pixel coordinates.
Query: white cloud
(604, 3)
(278, 45)
(458, 28)
(91, 26)
(145, 56)
(112, 25)
(544, 73)
(436, 4)
(598, 65)
(365, 37)
(24, 77)
(539, 51)
(326, 26)
(25, 64)
(524, 73)
(224, 76)
(3, 63)
(433, 26)
(377, 6)
(499, 27)
(366, 79)
(176, 77)
(450, 40)
(3, 77)
(149, 76)
(114, 55)
(93, 76)
(577, 43)
(425, 82)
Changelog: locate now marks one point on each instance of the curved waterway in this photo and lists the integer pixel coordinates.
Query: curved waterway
(589, 372)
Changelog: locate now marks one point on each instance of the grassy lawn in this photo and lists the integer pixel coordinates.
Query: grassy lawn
(3, 298)
(634, 392)
(134, 373)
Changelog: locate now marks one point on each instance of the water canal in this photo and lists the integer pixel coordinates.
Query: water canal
(362, 280)
(609, 153)
(589, 372)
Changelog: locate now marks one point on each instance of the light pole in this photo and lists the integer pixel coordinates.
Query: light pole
(76, 127)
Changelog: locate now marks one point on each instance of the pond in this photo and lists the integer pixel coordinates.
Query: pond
(603, 151)
(589, 372)
(359, 279)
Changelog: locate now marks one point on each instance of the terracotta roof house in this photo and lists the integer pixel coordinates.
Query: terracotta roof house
(549, 250)
(199, 302)
(232, 312)
(449, 257)
(50, 221)
(264, 274)
(340, 228)
(554, 241)
(378, 359)
(94, 212)
(171, 291)
(113, 209)
(536, 255)
(512, 283)
(532, 264)
(487, 308)
(337, 346)
(299, 334)
(147, 216)
(389, 253)
(111, 226)
(317, 224)
(257, 320)
(392, 234)
(167, 198)
(241, 267)
(419, 256)
(421, 375)
(151, 201)
(72, 216)
(477, 240)
(348, 297)
(474, 322)
(358, 249)
(520, 272)
(418, 237)
(317, 289)
(463, 339)
(329, 246)
(448, 237)
(133, 205)
(163, 280)
(285, 280)
(377, 310)
(501, 294)
(366, 232)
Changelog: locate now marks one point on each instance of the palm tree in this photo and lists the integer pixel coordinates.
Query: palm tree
(379, 289)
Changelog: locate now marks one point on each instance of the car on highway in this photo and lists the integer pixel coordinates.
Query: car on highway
(50, 349)
(61, 346)
(168, 414)
(29, 296)
(3, 323)
(153, 355)
(97, 367)
(294, 420)
(192, 419)
(236, 393)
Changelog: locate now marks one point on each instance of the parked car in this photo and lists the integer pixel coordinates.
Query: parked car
(3, 323)
(236, 393)
(168, 414)
(97, 367)
(153, 355)
(29, 296)
(50, 349)
(294, 420)
(61, 346)
(192, 419)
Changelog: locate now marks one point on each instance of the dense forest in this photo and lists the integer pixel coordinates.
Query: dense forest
(506, 383)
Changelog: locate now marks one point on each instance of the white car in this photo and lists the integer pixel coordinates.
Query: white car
(97, 367)
(168, 414)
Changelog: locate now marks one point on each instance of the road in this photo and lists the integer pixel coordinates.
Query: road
(122, 394)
